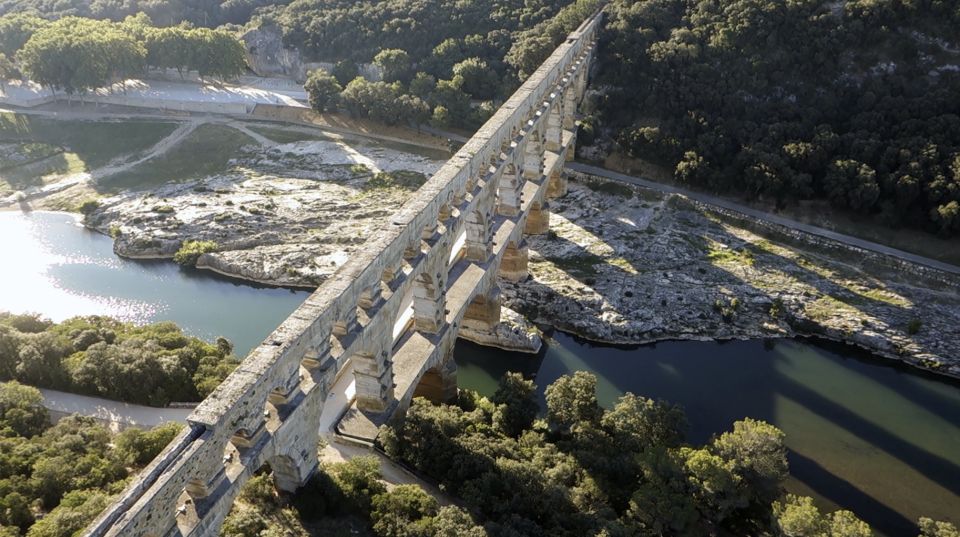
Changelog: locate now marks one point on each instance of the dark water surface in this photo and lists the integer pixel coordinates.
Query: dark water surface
(864, 434)
(53, 266)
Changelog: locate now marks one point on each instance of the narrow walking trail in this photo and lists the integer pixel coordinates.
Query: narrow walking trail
(259, 138)
(121, 164)
(115, 166)
(118, 415)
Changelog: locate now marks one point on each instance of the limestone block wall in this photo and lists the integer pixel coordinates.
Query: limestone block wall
(267, 411)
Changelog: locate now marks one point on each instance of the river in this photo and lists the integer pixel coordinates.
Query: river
(56, 267)
(864, 434)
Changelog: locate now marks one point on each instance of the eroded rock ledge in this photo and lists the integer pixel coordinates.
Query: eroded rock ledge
(629, 266)
(513, 333)
(287, 215)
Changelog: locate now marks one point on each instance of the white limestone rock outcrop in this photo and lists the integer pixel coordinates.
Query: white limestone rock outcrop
(630, 266)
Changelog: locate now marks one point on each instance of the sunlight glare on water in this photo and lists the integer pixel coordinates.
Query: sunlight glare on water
(28, 280)
(59, 269)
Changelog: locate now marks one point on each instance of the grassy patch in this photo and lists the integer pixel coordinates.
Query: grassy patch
(825, 307)
(93, 142)
(580, 265)
(719, 255)
(882, 295)
(206, 151)
(284, 136)
(402, 180)
(47, 147)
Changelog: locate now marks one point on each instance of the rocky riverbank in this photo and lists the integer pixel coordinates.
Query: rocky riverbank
(287, 215)
(620, 265)
(283, 214)
(627, 266)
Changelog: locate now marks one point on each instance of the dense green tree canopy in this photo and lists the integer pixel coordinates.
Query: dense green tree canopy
(206, 13)
(78, 54)
(66, 472)
(395, 65)
(16, 29)
(624, 471)
(75, 54)
(441, 52)
(854, 102)
(152, 365)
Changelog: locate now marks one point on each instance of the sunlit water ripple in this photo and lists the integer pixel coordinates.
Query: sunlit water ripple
(55, 267)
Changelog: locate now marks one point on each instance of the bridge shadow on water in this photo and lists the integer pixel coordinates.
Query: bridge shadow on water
(718, 383)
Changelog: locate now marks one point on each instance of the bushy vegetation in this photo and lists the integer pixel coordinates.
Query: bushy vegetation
(54, 480)
(441, 32)
(347, 498)
(77, 54)
(853, 102)
(583, 470)
(436, 56)
(152, 365)
(206, 13)
(190, 251)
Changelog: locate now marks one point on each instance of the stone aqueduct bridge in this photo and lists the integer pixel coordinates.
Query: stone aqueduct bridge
(393, 310)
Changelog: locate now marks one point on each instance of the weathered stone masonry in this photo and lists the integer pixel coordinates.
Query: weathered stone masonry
(439, 256)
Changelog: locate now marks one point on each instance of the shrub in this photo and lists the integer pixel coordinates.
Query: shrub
(139, 447)
(259, 491)
(914, 326)
(190, 252)
(88, 207)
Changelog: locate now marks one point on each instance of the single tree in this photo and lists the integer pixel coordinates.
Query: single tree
(571, 400)
(394, 64)
(516, 404)
(323, 90)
